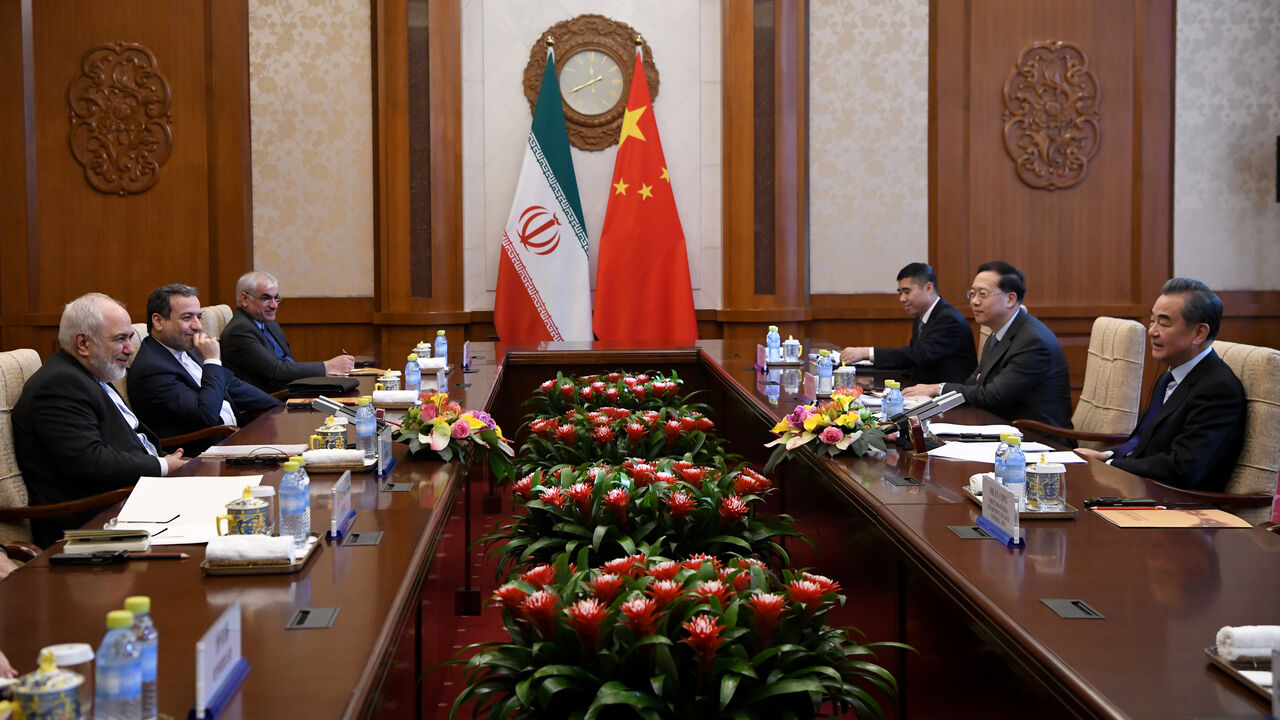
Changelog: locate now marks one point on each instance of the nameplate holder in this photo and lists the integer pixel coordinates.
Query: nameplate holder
(1000, 513)
(761, 357)
(386, 458)
(342, 516)
(1073, 609)
(466, 357)
(220, 668)
(320, 618)
(362, 539)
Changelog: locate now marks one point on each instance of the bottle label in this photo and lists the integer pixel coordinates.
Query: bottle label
(118, 680)
(150, 651)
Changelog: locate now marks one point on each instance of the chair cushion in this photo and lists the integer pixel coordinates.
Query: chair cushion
(15, 367)
(1112, 393)
(1259, 371)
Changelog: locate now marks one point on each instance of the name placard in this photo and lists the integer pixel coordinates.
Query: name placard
(386, 460)
(219, 666)
(342, 515)
(466, 356)
(1000, 512)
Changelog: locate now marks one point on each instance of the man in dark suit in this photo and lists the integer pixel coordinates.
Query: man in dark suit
(1023, 372)
(941, 348)
(253, 345)
(1189, 434)
(177, 383)
(73, 434)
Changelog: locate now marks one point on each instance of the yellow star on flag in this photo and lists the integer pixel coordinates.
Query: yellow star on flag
(620, 187)
(665, 176)
(631, 125)
(646, 191)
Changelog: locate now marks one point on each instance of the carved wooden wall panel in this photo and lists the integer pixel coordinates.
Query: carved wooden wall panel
(1051, 125)
(121, 129)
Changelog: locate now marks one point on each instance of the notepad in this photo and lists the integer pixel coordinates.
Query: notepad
(1171, 518)
(181, 510)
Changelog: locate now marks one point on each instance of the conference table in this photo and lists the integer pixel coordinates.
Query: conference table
(985, 643)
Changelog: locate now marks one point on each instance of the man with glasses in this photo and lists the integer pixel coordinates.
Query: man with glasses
(941, 346)
(253, 344)
(1022, 372)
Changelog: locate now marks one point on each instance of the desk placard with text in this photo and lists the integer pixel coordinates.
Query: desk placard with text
(219, 666)
(1000, 511)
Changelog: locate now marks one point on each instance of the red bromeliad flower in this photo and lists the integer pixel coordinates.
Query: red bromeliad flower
(639, 392)
(705, 424)
(611, 394)
(665, 591)
(695, 561)
(664, 477)
(552, 496)
(540, 609)
(704, 637)
(547, 386)
(606, 586)
(692, 475)
(650, 416)
(539, 576)
(597, 385)
(732, 509)
(681, 504)
(566, 434)
(616, 413)
(632, 566)
(827, 584)
(603, 435)
(750, 482)
(523, 486)
(587, 393)
(805, 592)
(665, 570)
(642, 377)
(688, 423)
(673, 429)
(630, 381)
(708, 589)
(617, 500)
(641, 472)
(638, 614)
(768, 609)
(737, 577)
(566, 391)
(586, 616)
(613, 377)
(544, 427)
(746, 563)
(510, 596)
(635, 433)
(580, 493)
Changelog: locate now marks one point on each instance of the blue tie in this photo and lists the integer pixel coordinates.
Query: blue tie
(1148, 418)
(275, 346)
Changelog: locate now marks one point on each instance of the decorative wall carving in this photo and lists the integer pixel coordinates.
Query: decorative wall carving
(1051, 127)
(121, 129)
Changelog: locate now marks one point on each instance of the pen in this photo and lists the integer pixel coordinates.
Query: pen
(158, 556)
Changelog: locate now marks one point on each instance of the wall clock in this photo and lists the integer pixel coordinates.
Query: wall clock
(594, 59)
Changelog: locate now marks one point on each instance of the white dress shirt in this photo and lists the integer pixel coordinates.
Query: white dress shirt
(132, 419)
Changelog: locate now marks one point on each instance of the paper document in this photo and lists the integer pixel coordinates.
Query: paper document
(992, 431)
(985, 452)
(244, 450)
(1171, 518)
(181, 510)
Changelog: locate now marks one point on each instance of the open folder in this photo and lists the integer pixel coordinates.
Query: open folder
(181, 510)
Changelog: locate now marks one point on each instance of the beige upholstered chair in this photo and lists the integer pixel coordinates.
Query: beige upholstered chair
(214, 318)
(1255, 475)
(15, 367)
(1112, 395)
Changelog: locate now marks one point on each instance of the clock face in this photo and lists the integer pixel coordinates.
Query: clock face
(591, 82)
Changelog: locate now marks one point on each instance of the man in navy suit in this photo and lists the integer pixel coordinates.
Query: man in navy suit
(941, 348)
(253, 344)
(1023, 371)
(177, 382)
(1190, 433)
(73, 434)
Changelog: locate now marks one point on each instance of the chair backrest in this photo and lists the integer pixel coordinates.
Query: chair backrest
(1259, 371)
(16, 366)
(214, 318)
(1112, 393)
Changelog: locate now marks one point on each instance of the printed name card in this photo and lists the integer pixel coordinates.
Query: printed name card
(1000, 512)
(341, 516)
(219, 666)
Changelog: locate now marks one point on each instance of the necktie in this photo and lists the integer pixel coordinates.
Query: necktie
(275, 346)
(991, 343)
(1148, 417)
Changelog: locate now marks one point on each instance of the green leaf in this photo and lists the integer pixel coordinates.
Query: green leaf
(785, 687)
(728, 686)
(615, 693)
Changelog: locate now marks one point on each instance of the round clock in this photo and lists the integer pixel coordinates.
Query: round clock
(594, 58)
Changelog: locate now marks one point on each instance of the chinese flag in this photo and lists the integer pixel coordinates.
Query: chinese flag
(643, 292)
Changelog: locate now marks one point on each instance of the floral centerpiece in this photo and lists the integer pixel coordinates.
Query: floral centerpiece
(655, 638)
(663, 507)
(614, 434)
(441, 425)
(634, 391)
(841, 424)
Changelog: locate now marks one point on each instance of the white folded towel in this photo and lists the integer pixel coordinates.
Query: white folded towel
(334, 457)
(249, 550)
(431, 363)
(395, 397)
(1248, 642)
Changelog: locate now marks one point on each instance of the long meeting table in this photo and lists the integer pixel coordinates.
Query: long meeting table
(986, 644)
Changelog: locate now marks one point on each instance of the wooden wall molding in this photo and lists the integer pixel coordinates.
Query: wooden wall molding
(1051, 105)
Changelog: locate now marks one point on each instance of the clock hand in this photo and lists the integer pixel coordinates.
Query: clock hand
(589, 82)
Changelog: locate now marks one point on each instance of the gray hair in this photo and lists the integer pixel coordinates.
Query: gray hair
(83, 315)
(248, 282)
(1199, 303)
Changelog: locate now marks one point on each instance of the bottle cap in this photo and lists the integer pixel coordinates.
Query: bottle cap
(1014, 440)
(298, 459)
(137, 604)
(824, 351)
(773, 328)
(291, 466)
(439, 332)
(892, 384)
(412, 357)
(119, 619)
(364, 400)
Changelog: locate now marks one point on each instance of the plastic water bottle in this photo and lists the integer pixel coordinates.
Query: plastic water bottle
(305, 480)
(892, 402)
(1015, 471)
(148, 640)
(442, 345)
(1002, 453)
(824, 372)
(295, 506)
(413, 374)
(772, 345)
(367, 427)
(118, 671)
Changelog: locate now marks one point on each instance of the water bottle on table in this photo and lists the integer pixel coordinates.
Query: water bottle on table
(367, 428)
(892, 403)
(442, 346)
(1015, 471)
(148, 640)
(1002, 452)
(824, 372)
(295, 506)
(118, 671)
(772, 345)
(412, 374)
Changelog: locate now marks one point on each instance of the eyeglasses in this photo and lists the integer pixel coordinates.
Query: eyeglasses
(264, 299)
(980, 294)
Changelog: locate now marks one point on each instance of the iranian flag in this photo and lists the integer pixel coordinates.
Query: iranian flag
(544, 290)
(643, 293)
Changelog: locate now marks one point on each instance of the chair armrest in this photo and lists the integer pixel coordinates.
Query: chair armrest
(1047, 429)
(93, 502)
(21, 551)
(1224, 499)
(281, 395)
(215, 431)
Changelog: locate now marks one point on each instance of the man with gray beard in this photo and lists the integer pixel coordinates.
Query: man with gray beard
(74, 435)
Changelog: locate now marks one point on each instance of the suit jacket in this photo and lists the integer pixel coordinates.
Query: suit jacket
(1198, 432)
(72, 442)
(165, 396)
(247, 353)
(1023, 376)
(941, 350)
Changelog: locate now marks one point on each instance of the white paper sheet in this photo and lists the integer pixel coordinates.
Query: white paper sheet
(242, 450)
(193, 503)
(986, 451)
